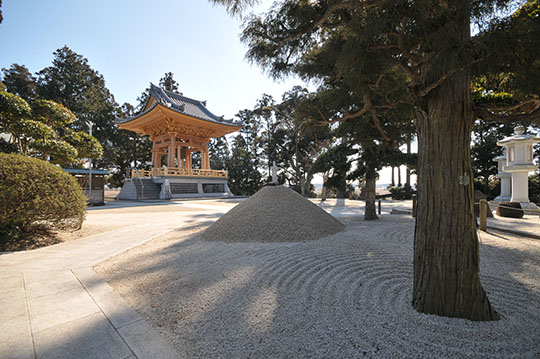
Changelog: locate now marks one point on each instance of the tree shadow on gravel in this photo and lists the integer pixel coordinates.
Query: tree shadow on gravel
(344, 296)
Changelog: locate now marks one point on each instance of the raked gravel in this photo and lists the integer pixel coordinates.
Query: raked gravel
(344, 296)
(273, 214)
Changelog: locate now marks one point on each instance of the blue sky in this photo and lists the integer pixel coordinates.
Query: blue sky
(132, 43)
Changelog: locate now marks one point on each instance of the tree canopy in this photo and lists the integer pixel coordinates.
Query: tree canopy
(20, 81)
(40, 129)
(389, 53)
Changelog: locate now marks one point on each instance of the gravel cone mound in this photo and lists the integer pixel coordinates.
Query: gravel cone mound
(273, 214)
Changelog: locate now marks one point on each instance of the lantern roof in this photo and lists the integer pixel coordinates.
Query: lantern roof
(519, 136)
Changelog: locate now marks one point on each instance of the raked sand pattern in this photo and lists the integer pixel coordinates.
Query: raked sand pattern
(344, 296)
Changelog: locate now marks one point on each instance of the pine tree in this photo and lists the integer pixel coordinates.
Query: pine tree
(168, 83)
(72, 82)
(20, 81)
(428, 44)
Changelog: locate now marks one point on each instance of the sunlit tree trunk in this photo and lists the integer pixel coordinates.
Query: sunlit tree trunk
(370, 211)
(446, 258)
(324, 191)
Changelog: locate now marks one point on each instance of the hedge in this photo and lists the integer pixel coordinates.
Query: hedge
(35, 192)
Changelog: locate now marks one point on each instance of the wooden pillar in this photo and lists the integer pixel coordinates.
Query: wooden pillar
(171, 152)
(205, 159)
(183, 157)
(179, 157)
(154, 158)
(189, 165)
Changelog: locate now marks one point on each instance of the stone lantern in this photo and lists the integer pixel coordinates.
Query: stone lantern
(506, 180)
(519, 162)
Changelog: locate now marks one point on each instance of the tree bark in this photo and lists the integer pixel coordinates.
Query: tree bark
(324, 189)
(399, 175)
(370, 211)
(446, 258)
(393, 182)
(307, 184)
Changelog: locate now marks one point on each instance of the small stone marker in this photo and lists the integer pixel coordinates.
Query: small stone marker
(274, 173)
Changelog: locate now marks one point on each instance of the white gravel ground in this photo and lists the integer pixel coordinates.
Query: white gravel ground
(343, 296)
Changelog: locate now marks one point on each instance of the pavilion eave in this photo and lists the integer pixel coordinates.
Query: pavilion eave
(161, 119)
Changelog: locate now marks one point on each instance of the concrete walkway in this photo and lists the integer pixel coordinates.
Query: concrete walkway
(53, 305)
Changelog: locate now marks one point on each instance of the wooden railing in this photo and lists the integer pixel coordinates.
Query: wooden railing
(165, 171)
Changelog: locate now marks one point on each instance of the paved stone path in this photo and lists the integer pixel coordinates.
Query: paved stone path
(53, 305)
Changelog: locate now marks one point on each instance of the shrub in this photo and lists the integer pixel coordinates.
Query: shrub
(514, 211)
(401, 193)
(534, 188)
(34, 192)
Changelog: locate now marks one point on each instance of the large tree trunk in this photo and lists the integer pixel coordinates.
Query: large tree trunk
(446, 258)
(370, 211)
(306, 186)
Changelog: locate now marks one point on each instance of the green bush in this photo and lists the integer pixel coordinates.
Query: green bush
(34, 192)
(534, 188)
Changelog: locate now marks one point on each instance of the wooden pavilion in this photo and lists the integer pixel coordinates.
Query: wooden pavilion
(178, 127)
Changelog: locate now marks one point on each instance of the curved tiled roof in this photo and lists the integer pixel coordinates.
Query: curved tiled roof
(181, 104)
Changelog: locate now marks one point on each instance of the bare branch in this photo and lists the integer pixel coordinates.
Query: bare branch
(437, 83)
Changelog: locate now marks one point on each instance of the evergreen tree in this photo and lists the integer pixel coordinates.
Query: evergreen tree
(244, 176)
(484, 149)
(72, 82)
(40, 129)
(218, 151)
(131, 150)
(244, 161)
(429, 45)
(298, 141)
(168, 83)
(20, 81)
(267, 139)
